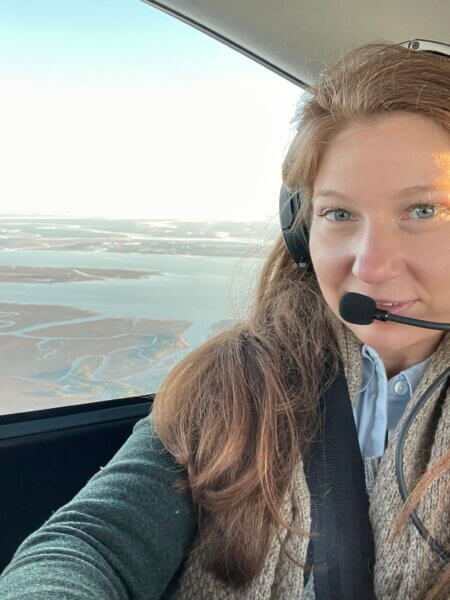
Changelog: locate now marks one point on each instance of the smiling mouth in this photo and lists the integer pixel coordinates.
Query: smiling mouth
(395, 307)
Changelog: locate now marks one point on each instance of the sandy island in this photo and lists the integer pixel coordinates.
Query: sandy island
(17, 274)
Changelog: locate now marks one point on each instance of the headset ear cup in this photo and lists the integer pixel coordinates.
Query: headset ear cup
(296, 235)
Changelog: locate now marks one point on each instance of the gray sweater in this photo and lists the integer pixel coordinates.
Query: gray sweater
(123, 536)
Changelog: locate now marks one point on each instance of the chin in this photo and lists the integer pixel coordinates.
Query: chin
(388, 336)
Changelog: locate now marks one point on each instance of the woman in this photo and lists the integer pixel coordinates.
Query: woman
(375, 126)
(237, 415)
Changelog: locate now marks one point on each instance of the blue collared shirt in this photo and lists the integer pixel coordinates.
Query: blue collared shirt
(381, 402)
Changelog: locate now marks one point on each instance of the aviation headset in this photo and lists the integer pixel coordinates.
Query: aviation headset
(296, 239)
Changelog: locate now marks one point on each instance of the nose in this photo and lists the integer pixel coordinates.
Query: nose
(376, 254)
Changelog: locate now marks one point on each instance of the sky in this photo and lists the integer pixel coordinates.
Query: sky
(112, 108)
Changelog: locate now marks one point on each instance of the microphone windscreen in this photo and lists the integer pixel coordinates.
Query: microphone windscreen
(356, 308)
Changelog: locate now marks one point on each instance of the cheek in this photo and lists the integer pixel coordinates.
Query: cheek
(435, 273)
(329, 264)
(326, 254)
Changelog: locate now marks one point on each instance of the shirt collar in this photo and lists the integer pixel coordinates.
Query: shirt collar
(371, 360)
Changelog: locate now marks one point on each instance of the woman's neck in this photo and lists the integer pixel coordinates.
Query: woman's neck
(399, 360)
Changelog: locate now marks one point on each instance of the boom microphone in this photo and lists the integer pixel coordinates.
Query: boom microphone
(362, 310)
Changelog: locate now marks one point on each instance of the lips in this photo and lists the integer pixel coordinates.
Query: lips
(395, 308)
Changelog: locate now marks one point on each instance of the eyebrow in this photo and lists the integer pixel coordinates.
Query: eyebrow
(416, 189)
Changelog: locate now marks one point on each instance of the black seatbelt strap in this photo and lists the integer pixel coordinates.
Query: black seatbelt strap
(342, 549)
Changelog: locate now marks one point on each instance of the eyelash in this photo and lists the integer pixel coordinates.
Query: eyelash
(330, 210)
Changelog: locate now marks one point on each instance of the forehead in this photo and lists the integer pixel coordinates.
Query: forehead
(398, 126)
(394, 151)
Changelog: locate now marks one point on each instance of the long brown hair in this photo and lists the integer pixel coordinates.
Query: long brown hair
(239, 412)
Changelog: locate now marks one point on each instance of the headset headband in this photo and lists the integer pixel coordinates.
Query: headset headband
(428, 46)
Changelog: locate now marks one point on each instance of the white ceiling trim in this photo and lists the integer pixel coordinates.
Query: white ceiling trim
(297, 38)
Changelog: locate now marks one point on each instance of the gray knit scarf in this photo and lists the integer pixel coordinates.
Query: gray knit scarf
(404, 569)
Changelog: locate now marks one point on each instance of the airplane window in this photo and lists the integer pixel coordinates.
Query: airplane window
(141, 165)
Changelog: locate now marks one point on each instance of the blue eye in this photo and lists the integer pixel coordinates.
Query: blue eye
(426, 207)
(335, 210)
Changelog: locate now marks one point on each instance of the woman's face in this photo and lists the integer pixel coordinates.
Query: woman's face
(377, 243)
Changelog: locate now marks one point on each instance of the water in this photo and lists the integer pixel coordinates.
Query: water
(47, 363)
(189, 287)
